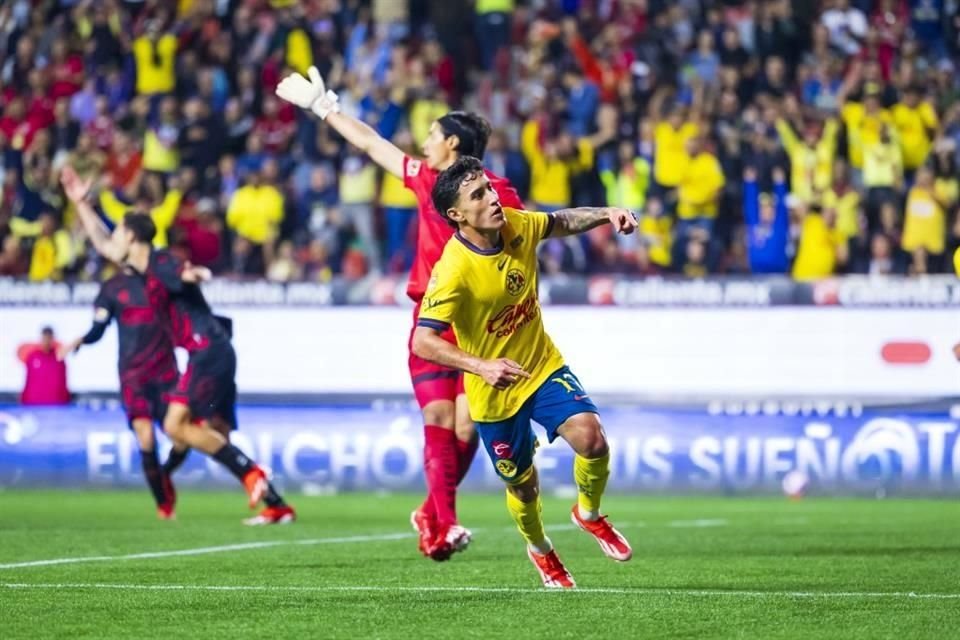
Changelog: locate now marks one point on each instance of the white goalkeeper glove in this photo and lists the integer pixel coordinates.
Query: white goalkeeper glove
(309, 93)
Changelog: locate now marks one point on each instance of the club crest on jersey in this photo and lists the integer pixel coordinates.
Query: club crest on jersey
(413, 168)
(506, 468)
(516, 281)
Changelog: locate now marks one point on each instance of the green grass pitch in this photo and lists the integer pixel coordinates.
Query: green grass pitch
(702, 568)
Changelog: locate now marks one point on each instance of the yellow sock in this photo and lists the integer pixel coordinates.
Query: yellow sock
(529, 522)
(591, 478)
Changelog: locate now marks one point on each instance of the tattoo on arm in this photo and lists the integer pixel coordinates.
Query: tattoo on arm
(568, 222)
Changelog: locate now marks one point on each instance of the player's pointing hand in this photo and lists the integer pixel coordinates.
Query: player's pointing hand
(623, 220)
(502, 373)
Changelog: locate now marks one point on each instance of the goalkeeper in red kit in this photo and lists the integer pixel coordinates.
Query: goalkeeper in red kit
(449, 434)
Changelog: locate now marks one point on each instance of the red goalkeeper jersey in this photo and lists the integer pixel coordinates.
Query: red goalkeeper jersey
(433, 230)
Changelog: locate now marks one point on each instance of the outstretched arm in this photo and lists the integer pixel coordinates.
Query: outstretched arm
(311, 93)
(77, 190)
(101, 320)
(364, 137)
(568, 222)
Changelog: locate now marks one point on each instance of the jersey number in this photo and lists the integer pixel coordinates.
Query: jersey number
(569, 382)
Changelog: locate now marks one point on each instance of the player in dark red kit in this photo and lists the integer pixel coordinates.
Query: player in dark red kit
(147, 368)
(449, 434)
(206, 392)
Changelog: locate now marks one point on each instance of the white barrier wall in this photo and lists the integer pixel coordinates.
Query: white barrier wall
(776, 351)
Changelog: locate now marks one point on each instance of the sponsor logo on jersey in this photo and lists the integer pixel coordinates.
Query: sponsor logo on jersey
(502, 449)
(516, 242)
(513, 317)
(413, 168)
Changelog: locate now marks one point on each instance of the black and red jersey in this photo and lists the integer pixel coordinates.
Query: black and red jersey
(143, 329)
(193, 324)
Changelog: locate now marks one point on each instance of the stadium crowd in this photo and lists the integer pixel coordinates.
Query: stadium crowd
(752, 136)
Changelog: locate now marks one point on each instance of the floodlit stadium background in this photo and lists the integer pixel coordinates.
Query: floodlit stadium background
(720, 362)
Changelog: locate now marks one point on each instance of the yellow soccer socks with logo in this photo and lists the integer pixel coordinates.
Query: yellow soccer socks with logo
(529, 522)
(591, 475)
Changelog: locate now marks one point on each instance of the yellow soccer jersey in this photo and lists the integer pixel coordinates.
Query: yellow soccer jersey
(490, 298)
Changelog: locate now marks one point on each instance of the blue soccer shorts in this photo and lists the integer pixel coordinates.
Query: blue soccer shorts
(510, 443)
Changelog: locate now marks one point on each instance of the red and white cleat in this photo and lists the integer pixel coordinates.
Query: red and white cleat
(272, 515)
(165, 511)
(448, 541)
(425, 526)
(255, 482)
(611, 541)
(552, 571)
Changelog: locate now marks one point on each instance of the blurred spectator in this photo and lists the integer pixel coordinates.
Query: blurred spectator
(52, 250)
(656, 235)
(627, 187)
(254, 214)
(767, 221)
(358, 192)
(924, 226)
(102, 126)
(847, 26)
(162, 206)
(554, 162)
(698, 195)
(811, 158)
(844, 199)
(882, 171)
(817, 253)
(583, 102)
(916, 123)
(86, 159)
(200, 230)
(493, 28)
(65, 132)
(201, 141)
(154, 54)
(285, 267)
(46, 375)
(399, 211)
(590, 103)
(504, 161)
(124, 164)
(160, 152)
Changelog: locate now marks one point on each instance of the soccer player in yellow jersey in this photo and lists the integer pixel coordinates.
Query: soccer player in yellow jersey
(485, 286)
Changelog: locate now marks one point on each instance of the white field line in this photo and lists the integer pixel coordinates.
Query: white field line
(702, 522)
(205, 550)
(238, 547)
(313, 541)
(640, 591)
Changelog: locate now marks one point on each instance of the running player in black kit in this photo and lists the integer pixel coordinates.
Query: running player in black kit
(206, 392)
(147, 368)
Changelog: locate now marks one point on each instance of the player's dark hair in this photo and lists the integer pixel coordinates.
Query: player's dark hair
(141, 225)
(446, 191)
(472, 131)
